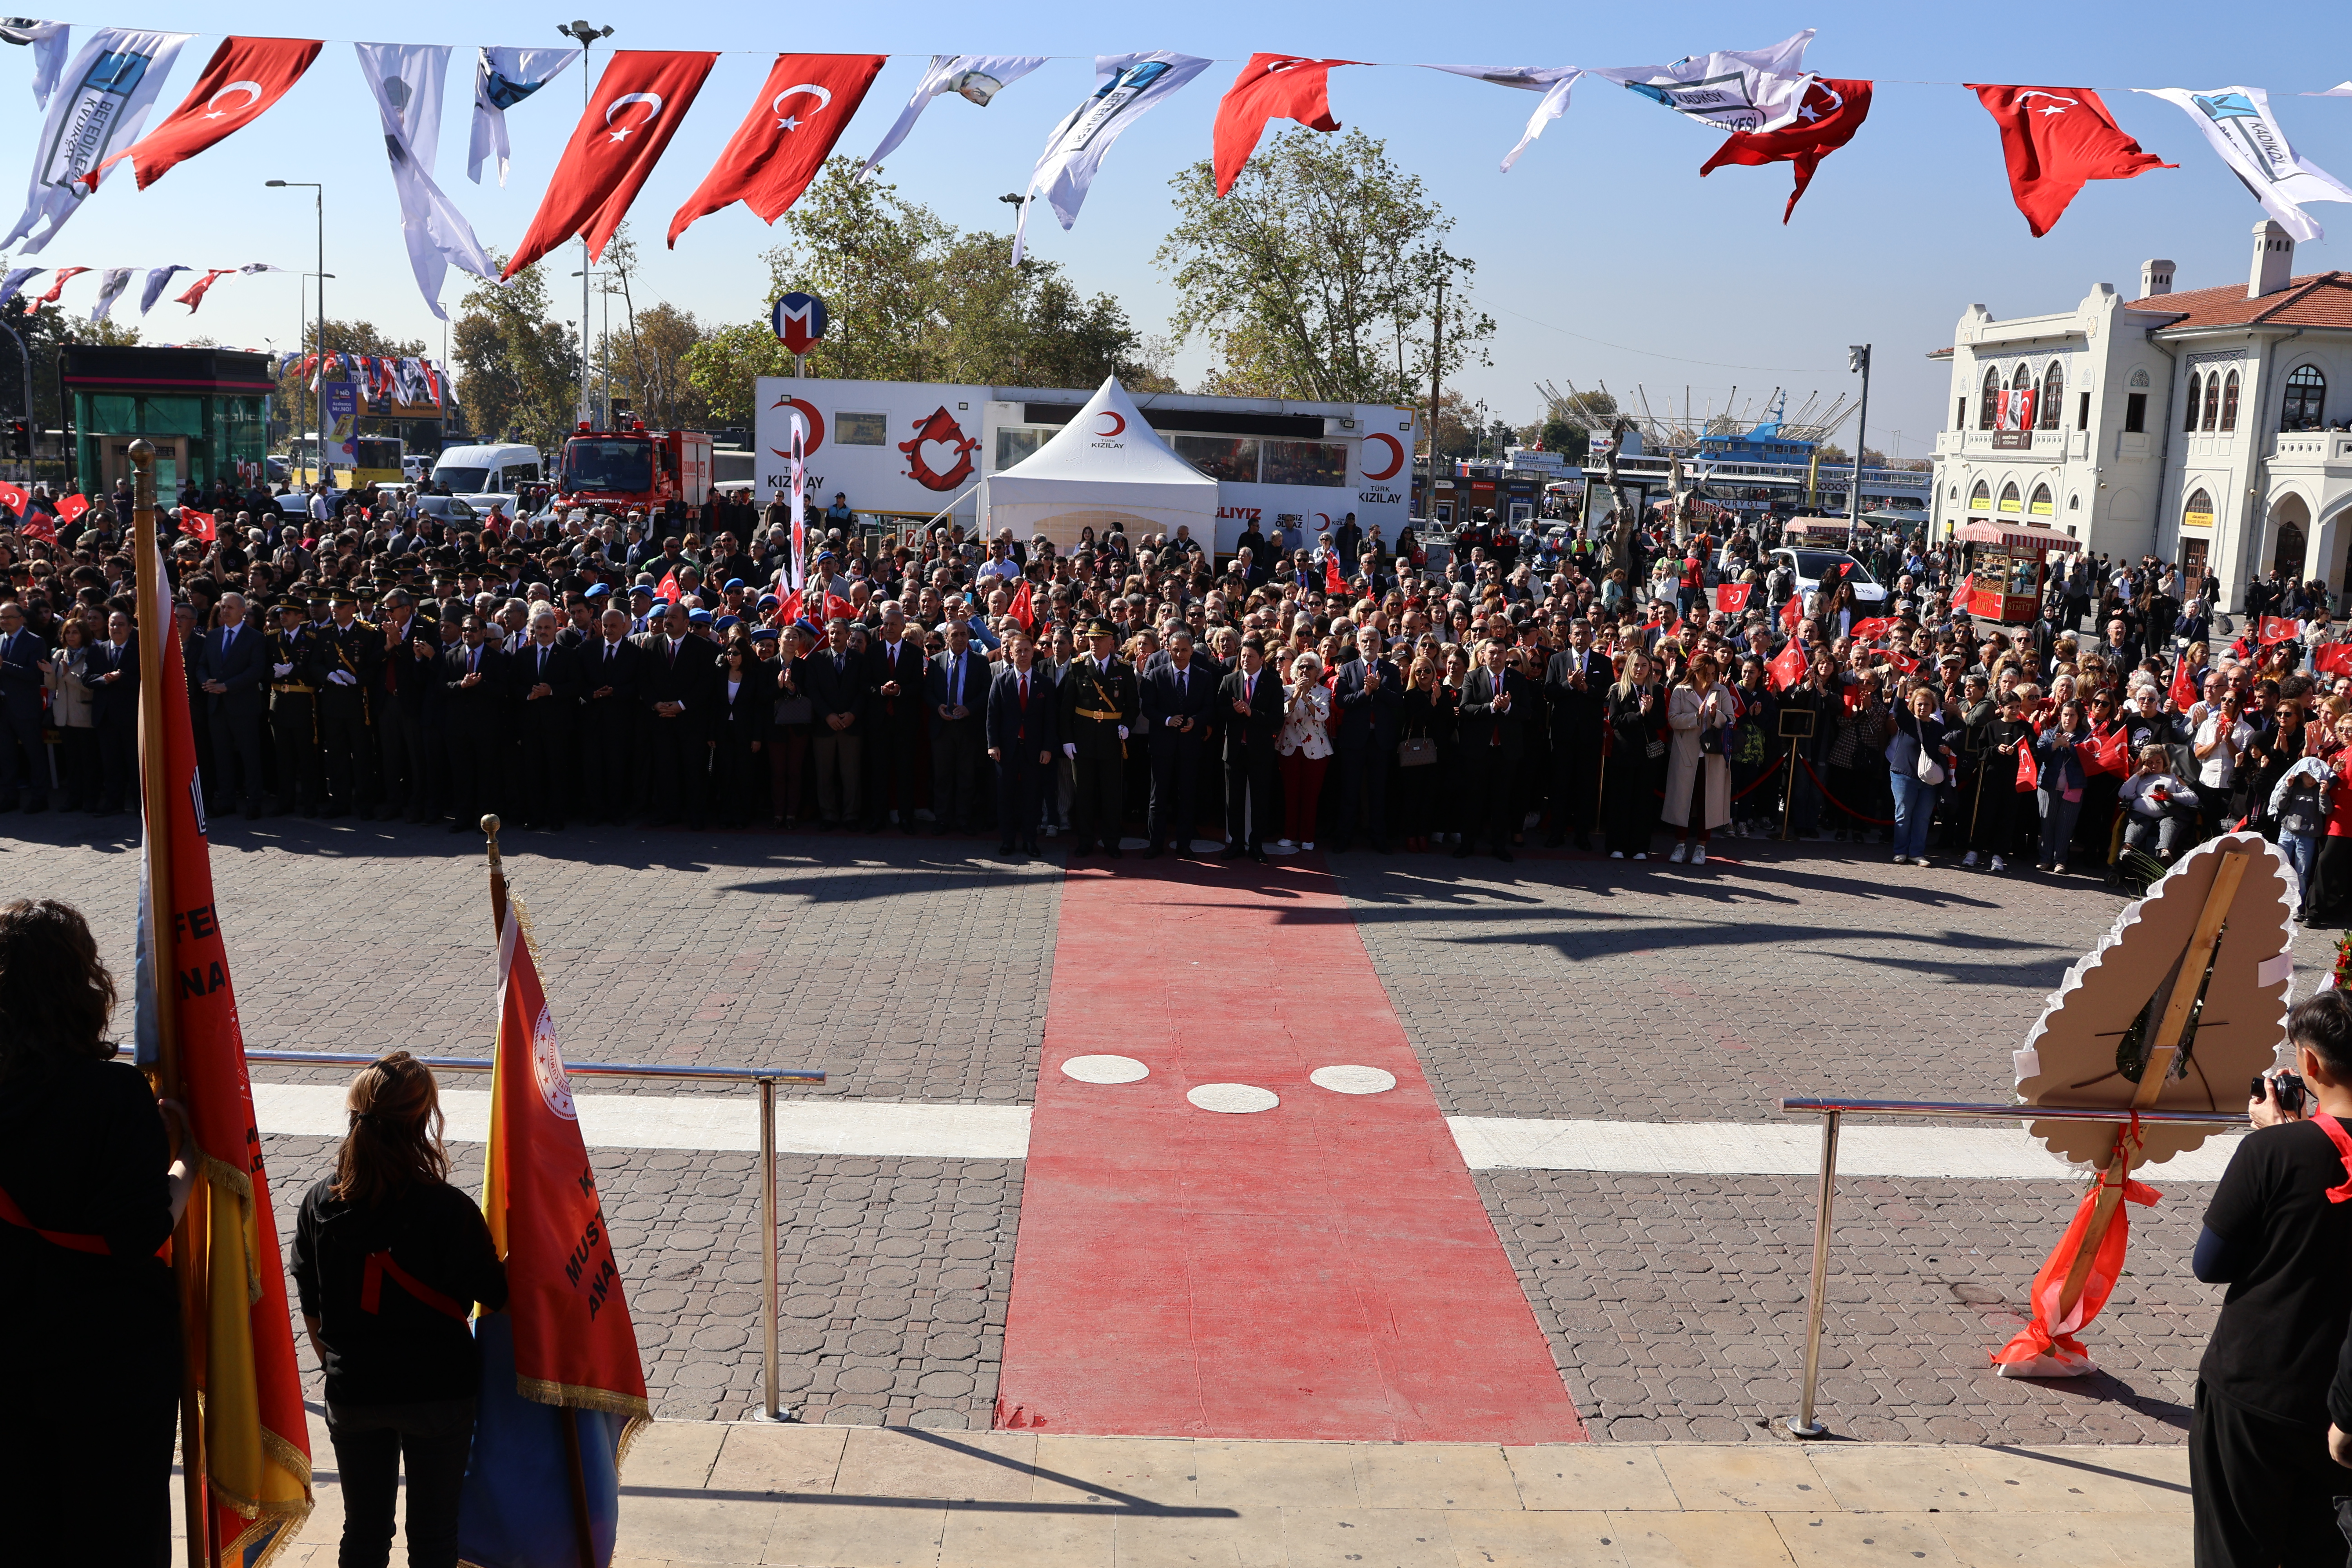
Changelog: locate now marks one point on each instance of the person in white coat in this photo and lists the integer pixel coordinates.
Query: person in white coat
(1699, 714)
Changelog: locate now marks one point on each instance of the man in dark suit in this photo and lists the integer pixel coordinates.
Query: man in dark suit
(23, 651)
(609, 717)
(345, 656)
(115, 712)
(955, 692)
(406, 671)
(1495, 701)
(1180, 699)
(545, 678)
(1098, 707)
(840, 697)
(472, 713)
(232, 671)
(1021, 741)
(676, 690)
(1368, 697)
(1576, 684)
(896, 671)
(1249, 710)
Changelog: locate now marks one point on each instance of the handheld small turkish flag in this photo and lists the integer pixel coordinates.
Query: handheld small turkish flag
(2332, 658)
(1876, 626)
(667, 592)
(1788, 666)
(637, 105)
(1732, 597)
(1961, 592)
(244, 78)
(1833, 109)
(803, 109)
(1792, 612)
(72, 507)
(1024, 609)
(790, 610)
(2027, 774)
(1271, 87)
(837, 608)
(2054, 139)
(1332, 582)
(2184, 690)
(14, 497)
(2278, 629)
(199, 524)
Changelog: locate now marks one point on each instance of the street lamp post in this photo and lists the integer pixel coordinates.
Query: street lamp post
(586, 33)
(318, 345)
(605, 353)
(1857, 357)
(301, 388)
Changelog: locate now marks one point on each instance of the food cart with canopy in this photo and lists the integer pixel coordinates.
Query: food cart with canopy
(2007, 563)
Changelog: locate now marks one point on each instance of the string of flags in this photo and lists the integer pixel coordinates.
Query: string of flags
(114, 280)
(382, 378)
(1765, 105)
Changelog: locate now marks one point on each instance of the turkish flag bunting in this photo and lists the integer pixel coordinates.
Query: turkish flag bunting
(1833, 109)
(2055, 138)
(198, 524)
(1876, 626)
(1792, 612)
(803, 109)
(1271, 87)
(2277, 629)
(638, 103)
(1732, 597)
(244, 78)
(195, 292)
(1332, 582)
(2184, 690)
(2332, 658)
(1022, 608)
(1788, 666)
(58, 285)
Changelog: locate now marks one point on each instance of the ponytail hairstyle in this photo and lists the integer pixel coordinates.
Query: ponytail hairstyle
(395, 1142)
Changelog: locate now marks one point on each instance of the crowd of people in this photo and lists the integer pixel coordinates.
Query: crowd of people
(1336, 692)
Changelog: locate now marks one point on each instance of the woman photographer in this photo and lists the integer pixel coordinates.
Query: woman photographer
(390, 1260)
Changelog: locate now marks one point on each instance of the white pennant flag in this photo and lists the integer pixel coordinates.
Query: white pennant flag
(110, 285)
(2341, 90)
(407, 80)
(502, 79)
(2237, 123)
(154, 290)
(975, 77)
(1126, 88)
(108, 91)
(800, 500)
(47, 42)
(1552, 81)
(17, 280)
(1732, 89)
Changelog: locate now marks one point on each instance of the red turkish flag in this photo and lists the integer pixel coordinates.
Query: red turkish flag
(2184, 690)
(1876, 626)
(2028, 775)
(245, 76)
(14, 497)
(2332, 658)
(803, 109)
(790, 610)
(1732, 597)
(1023, 609)
(1788, 666)
(1833, 109)
(39, 527)
(1961, 590)
(837, 608)
(1332, 582)
(2055, 138)
(197, 524)
(1793, 612)
(667, 592)
(58, 286)
(2277, 629)
(637, 105)
(1271, 87)
(196, 291)
(72, 507)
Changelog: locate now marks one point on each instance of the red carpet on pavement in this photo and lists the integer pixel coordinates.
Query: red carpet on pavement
(1323, 1268)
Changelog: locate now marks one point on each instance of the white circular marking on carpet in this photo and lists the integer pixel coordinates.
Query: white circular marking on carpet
(1352, 1079)
(1106, 1070)
(1233, 1097)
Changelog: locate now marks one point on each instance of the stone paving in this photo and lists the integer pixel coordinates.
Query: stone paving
(1567, 987)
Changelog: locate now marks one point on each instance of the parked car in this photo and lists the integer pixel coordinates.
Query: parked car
(1809, 564)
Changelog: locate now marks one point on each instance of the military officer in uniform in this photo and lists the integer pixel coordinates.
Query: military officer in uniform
(293, 709)
(347, 653)
(1099, 703)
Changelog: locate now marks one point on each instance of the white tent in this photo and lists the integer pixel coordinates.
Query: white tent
(1107, 469)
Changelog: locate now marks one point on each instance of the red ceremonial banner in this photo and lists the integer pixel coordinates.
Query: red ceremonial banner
(2054, 139)
(1271, 87)
(2051, 1331)
(1732, 597)
(637, 105)
(1833, 109)
(245, 76)
(803, 109)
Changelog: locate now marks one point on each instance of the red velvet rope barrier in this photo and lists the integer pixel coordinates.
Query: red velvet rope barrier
(1874, 821)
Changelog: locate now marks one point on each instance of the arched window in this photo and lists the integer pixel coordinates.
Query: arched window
(2306, 392)
(2212, 398)
(2196, 385)
(2040, 505)
(2010, 500)
(1981, 498)
(2198, 513)
(1992, 409)
(2138, 381)
(2054, 395)
(2230, 401)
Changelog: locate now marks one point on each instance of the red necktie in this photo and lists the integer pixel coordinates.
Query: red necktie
(1024, 694)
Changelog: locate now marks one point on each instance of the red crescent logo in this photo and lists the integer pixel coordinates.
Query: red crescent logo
(815, 426)
(1118, 423)
(1396, 455)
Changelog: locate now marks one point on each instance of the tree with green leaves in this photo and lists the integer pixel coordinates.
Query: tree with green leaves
(1317, 277)
(518, 369)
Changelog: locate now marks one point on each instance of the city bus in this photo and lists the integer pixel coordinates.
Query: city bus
(378, 461)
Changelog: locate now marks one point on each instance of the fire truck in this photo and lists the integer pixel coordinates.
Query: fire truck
(618, 469)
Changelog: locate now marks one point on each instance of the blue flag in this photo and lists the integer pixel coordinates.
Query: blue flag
(517, 1509)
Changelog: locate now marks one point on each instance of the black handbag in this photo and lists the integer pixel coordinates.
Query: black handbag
(1416, 752)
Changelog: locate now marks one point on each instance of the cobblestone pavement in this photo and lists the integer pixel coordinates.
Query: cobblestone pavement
(1557, 986)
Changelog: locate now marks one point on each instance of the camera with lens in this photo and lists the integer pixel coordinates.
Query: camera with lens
(2291, 1090)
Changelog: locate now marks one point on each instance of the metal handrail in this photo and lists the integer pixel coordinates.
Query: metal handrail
(1831, 1111)
(766, 1078)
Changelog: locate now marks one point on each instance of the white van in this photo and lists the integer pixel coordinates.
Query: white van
(483, 475)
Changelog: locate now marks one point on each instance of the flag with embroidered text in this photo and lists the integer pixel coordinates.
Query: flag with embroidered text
(1832, 111)
(2237, 123)
(2054, 139)
(637, 108)
(244, 77)
(1553, 81)
(800, 111)
(1126, 88)
(977, 78)
(104, 100)
(1731, 89)
(502, 79)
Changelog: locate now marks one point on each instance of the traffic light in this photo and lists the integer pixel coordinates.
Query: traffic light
(20, 437)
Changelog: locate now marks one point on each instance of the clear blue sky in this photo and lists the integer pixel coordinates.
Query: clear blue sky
(1602, 256)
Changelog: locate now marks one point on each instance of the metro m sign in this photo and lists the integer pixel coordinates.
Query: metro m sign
(799, 321)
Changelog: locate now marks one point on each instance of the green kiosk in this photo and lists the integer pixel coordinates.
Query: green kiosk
(204, 410)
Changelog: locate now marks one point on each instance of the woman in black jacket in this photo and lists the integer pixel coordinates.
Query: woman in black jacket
(91, 1187)
(390, 1260)
(747, 703)
(1635, 713)
(1428, 716)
